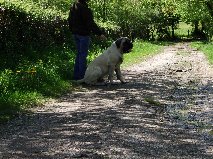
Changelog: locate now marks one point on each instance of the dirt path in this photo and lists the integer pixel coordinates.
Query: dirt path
(165, 111)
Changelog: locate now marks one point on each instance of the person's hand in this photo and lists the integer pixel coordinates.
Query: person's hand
(103, 37)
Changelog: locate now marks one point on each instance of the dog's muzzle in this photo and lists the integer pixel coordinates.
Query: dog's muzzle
(127, 47)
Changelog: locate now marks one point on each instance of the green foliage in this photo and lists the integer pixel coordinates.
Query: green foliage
(39, 9)
(149, 19)
(138, 19)
(13, 102)
(5, 81)
(196, 12)
(29, 75)
(27, 25)
(33, 79)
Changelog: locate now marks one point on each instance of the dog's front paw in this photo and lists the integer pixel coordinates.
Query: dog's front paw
(124, 82)
(110, 84)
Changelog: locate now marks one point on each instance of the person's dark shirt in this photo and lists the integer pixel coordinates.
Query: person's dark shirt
(81, 20)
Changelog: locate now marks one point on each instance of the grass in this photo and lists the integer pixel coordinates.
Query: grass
(207, 48)
(152, 101)
(31, 80)
(141, 50)
(184, 30)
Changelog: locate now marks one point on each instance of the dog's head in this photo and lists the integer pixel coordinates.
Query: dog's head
(124, 44)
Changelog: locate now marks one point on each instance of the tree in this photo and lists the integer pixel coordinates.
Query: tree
(198, 13)
(210, 7)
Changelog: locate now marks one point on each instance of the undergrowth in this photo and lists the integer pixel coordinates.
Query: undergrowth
(30, 82)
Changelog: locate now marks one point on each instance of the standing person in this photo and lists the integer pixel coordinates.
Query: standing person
(82, 24)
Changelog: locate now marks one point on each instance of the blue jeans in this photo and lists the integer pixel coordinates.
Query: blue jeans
(82, 44)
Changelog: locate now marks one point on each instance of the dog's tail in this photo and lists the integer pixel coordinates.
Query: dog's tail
(80, 81)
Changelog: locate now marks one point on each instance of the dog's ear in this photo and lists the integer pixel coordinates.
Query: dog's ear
(118, 42)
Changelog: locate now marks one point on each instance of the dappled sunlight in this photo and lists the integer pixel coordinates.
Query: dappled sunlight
(135, 120)
(106, 122)
(165, 110)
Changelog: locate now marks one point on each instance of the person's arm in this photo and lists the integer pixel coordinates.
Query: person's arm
(91, 23)
(70, 18)
(94, 27)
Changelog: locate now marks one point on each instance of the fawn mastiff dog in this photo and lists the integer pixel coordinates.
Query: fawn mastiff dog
(108, 62)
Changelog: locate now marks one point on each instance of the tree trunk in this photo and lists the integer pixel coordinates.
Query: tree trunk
(196, 23)
(173, 30)
(210, 7)
(104, 11)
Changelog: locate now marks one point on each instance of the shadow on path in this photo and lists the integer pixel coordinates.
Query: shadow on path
(128, 121)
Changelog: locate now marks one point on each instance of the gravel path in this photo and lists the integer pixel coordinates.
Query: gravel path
(165, 111)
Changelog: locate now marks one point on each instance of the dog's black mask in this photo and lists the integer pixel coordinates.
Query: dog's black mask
(127, 44)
